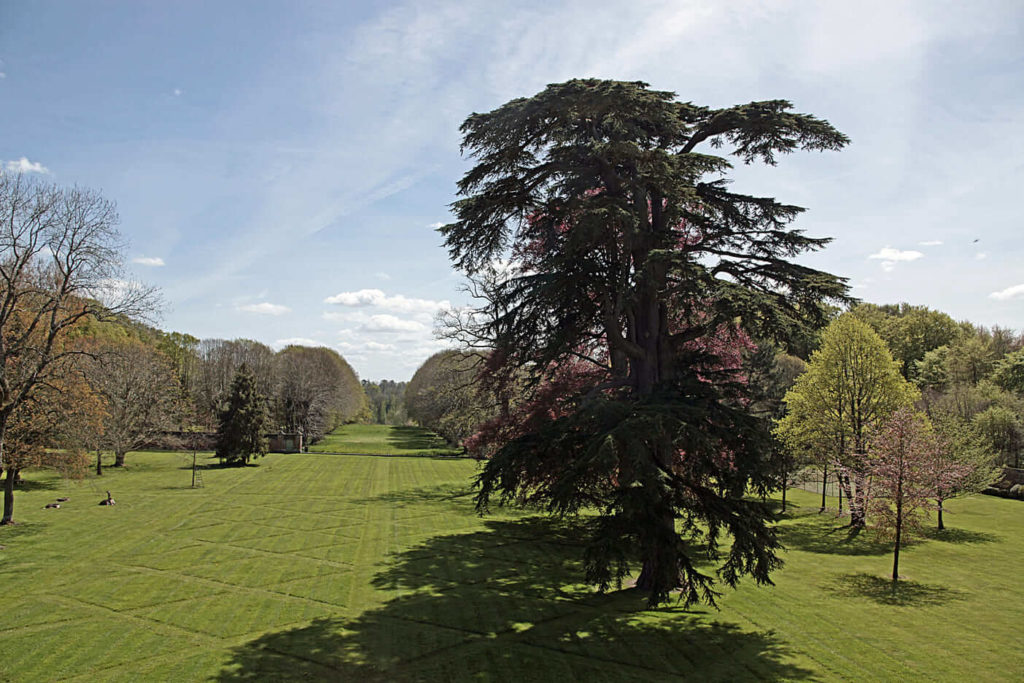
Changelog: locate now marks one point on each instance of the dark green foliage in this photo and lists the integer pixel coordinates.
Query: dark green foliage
(637, 261)
(608, 455)
(240, 434)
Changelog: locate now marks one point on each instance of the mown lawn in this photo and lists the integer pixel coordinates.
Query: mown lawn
(321, 567)
(384, 440)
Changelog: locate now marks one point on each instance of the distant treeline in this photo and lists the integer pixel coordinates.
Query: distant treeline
(385, 402)
(308, 389)
(187, 380)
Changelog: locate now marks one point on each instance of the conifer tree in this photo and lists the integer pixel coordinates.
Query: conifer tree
(243, 421)
(634, 257)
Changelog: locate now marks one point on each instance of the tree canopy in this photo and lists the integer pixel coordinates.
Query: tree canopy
(851, 386)
(635, 273)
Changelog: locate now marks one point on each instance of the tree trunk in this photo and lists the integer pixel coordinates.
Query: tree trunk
(659, 574)
(896, 548)
(11, 475)
(824, 485)
(8, 517)
(660, 571)
(845, 486)
(99, 463)
(941, 525)
(119, 458)
(857, 499)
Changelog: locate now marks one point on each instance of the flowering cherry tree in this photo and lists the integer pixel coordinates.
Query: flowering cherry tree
(908, 471)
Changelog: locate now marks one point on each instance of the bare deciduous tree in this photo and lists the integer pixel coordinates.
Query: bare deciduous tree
(141, 392)
(316, 391)
(61, 263)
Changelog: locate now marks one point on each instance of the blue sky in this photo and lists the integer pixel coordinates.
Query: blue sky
(279, 166)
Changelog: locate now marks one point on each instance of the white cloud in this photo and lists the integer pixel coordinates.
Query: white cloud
(177, 92)
(890, 257)
(265, 308)
(382, 275)
(890, 254)
(364, 297)
(2, 75)
(390, 323)
(23, 165)
(931, 243)
(435, 226)
(297, 341)
(980, 256)
(154, 261)
(1015, 292)
(375, 297)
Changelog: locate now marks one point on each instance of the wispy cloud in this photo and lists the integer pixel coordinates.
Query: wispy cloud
(931, 243)
(436, 225)
(980, 256)
(890, 257)
(391, 323)
(153, 261)
(177, 92)
(23, 165)
(381, 275)
(265, 308)
(1014, 292)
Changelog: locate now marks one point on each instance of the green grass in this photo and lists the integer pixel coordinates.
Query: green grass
(320, 567)
(384, 440)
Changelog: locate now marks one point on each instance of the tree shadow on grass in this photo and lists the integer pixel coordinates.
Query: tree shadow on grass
(958, 536)
(443, 495)
(814, 533)
(416, 439)
(9, 532)
(904, 593)
(225, 465)
(504, 603)
(49, 484)
(792, 509)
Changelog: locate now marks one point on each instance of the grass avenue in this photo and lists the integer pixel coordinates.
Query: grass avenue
(336, 567)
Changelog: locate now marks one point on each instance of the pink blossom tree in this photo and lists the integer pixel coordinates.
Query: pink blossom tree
(965, 463)
(908, 470)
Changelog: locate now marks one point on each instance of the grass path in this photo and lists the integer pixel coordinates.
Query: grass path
(384, 440)
(321, 567)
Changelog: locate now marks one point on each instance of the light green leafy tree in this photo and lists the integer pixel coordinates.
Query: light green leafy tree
(852, 384)
(1008, 372)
